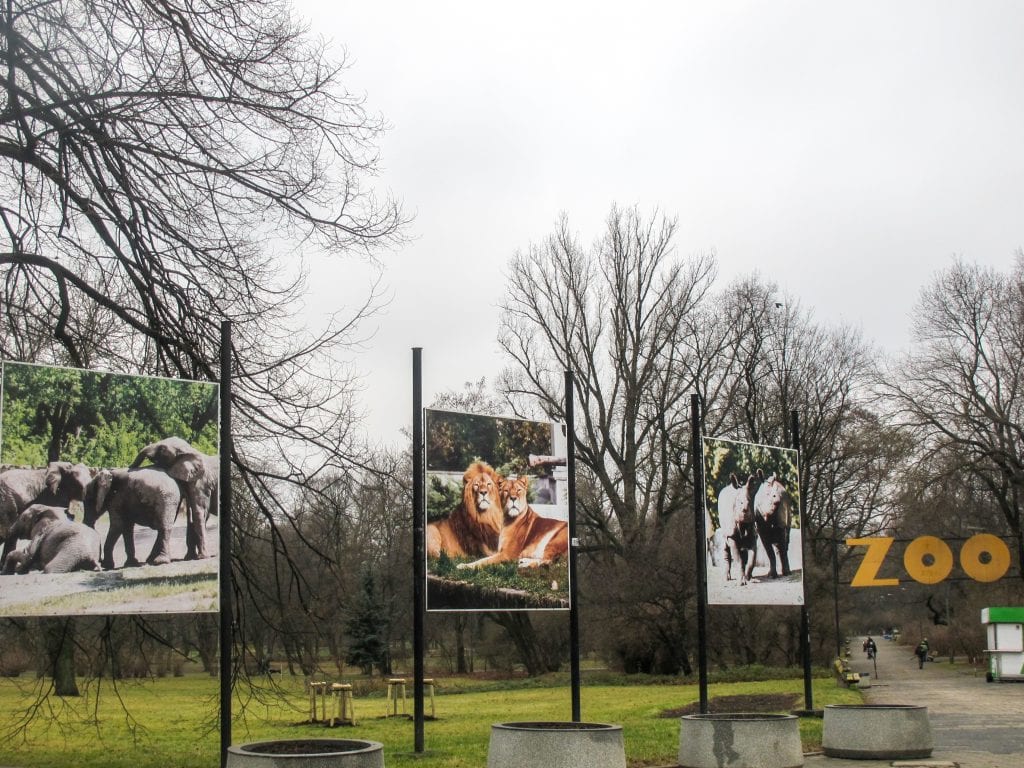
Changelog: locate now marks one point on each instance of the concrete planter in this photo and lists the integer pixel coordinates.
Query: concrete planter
(876, 731)
(307, 753)
(740, 740)
(556, 745)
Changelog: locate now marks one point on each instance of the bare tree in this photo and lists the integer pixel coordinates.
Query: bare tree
(164, 164)
(755, 355)
(615, 315)
(960, 388)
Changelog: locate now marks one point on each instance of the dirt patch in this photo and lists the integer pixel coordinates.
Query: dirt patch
(749, 702)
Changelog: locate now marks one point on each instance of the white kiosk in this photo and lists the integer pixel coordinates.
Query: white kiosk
(1005, 643)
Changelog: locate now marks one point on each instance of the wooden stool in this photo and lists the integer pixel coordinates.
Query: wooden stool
(317, 687)
(344, 709)
(396, 686)
(428, 682)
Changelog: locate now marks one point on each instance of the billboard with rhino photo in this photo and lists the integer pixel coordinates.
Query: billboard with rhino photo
(752, 524)
(497, 531)
(108, 493)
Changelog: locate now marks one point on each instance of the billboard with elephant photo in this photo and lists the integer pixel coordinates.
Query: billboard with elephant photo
(108, 493)
(497, 532)
(752, 523)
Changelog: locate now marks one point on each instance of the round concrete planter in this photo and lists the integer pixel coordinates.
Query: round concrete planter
(740, 740)
(307, 753)
(876, 731)
(556, 745)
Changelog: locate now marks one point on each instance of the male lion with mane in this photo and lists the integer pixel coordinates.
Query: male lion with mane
(526, 538)
(471, 530)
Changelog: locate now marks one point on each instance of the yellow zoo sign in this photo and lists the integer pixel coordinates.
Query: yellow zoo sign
(929, 560)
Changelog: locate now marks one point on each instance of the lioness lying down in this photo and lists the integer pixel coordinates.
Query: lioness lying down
(525, 536)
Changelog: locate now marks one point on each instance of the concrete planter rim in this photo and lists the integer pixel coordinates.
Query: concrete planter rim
(556, 725)
(878, 707)
(329, 747)
(739, 716)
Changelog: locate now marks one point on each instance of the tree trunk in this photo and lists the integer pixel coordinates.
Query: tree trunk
(460, 645)
(59, 636)
(523, 636)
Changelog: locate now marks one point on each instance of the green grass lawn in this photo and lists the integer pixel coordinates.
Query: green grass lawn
(173, 721)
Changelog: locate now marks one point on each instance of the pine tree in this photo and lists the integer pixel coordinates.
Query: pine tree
(367, 629)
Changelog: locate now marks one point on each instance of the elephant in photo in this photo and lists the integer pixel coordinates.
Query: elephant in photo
(198, 474)
(14, 561)
(56, 485)
(149, 497)
(56, 544)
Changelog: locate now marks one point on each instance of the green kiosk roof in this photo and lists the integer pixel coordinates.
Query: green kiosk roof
(1002, 615)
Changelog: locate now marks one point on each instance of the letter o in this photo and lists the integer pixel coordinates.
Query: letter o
(970, 557)
(918, 549)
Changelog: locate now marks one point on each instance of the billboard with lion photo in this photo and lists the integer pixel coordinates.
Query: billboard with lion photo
(497, 533)
(752, 523)
(108, 493)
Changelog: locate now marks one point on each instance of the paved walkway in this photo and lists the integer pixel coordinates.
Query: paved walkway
(974, 724)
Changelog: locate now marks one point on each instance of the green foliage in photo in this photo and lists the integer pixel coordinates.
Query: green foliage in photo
(99, 419)
(547, 581)
(723, 458)
(456, 440)
(442, 497)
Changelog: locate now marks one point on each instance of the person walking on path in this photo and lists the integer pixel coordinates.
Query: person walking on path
(922, 652)
(870, 648)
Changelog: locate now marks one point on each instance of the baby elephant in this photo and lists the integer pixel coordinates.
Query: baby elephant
(56, 544)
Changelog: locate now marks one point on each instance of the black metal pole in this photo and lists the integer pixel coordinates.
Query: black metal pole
(418, 552)
(835, 587)
(574, 606)
(224, 523)
(805, 615)
(701, 551)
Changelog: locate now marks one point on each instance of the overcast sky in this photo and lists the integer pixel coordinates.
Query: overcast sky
(846, 151)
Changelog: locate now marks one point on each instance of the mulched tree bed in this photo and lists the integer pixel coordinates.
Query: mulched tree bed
(747, 702)
(305, 747)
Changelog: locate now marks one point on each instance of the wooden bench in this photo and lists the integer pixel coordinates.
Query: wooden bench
(844, 675)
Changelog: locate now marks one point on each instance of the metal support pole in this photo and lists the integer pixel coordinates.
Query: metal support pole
(700, 553)
(224, 523)
(835, 588)
(574, 610)
(418, 550)
(805, 616)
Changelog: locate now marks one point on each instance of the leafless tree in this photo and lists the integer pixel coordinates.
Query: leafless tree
(164, 167)
(615, 314)
(641, 330)
(960, 387)
(755, 356)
